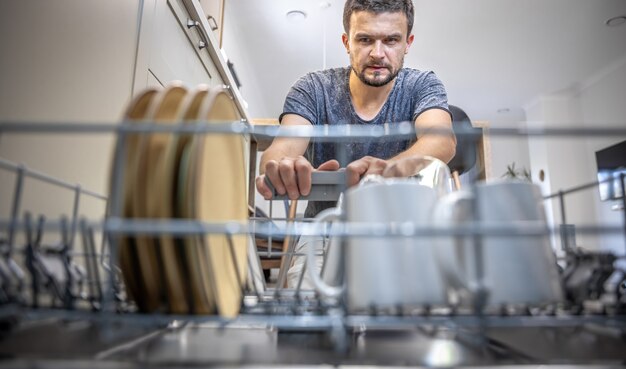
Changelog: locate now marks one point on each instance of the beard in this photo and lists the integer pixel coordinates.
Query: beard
(374, 81)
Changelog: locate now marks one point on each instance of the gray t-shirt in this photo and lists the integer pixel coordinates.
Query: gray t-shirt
(323, 97)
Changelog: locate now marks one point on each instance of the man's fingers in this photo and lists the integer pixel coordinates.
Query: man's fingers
(303, 172)
(288, 176)
(393, 170)
(262, 187)
(406, 167)
(362, 167)
(271, 172)
(354, 171)
(330, 165)
(376, 166)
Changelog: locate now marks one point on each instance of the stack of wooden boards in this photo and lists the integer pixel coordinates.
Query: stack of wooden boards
(170, 175)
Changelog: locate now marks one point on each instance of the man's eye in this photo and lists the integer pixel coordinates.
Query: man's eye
(364, 39)
(392, 41)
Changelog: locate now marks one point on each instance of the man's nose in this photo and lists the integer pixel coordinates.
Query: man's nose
(377, 51)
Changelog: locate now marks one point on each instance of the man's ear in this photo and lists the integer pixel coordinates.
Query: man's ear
(409, 41)
(345, 39)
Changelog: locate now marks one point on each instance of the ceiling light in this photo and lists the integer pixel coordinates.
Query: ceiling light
(616, 21)
(504, 111)
(296, 15)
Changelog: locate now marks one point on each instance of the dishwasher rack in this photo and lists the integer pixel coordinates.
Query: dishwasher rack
(91, 289)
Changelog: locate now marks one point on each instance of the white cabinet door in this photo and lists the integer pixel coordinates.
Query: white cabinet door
(169, 50)
(214, 9)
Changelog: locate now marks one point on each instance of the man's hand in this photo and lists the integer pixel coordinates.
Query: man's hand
(362, 167)
(291, 176)
(402, 167)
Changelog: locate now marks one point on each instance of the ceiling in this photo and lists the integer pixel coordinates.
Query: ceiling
(492, 55)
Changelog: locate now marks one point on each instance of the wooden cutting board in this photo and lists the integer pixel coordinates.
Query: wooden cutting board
(177, 162)
(160, 268)
(127, 250)
(218, 193)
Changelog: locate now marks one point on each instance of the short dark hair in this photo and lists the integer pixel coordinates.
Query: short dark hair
(377, 7)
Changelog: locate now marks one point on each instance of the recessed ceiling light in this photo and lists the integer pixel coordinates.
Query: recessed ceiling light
(296, 15)
(503, 110)
(616, 21)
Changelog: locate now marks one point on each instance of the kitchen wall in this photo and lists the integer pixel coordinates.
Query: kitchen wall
(64, 61)
(234, 45)
(602, 104)
(507, 150)
(568, 162)
(256, 95)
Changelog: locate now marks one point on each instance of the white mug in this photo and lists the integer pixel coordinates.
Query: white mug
(517, 269)
(384, 272)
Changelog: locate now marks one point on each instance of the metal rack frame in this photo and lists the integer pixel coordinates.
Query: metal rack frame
(280, 308)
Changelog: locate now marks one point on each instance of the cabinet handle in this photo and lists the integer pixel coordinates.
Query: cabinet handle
(192, 23)
(201, 45)
(212, 23)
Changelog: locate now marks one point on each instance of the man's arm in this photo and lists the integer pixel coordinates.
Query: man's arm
(434, 138)
(283, 164)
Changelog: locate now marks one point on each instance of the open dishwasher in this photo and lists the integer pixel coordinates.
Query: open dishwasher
(65, 303)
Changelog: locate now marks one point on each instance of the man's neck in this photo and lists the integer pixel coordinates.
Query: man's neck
(368, 100)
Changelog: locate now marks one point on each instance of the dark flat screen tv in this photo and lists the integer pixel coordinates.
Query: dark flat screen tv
(611, 163)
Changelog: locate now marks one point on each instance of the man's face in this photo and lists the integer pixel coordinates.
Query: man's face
(377, 44)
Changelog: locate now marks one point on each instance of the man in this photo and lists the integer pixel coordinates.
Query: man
(374, 90)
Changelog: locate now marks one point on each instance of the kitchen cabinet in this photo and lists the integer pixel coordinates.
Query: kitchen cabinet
(214, 9)
(81, 62)
(171, 49)
(176, 44)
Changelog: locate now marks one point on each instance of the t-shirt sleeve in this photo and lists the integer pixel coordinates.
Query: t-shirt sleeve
(301, 100)
(431, 95)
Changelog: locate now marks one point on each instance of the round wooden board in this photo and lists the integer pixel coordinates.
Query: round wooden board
(126, 246)
(158, 265)
(177, 160)
(218, 194)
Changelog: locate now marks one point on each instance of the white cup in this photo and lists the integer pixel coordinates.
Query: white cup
(383, 272)
(517, 268)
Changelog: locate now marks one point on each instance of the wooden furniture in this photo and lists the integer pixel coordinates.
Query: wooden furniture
(257, 144)
(483, 145)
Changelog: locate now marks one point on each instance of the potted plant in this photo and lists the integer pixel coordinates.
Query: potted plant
(522, 174)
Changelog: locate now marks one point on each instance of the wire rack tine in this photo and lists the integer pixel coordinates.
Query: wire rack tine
(233, 256)
(93, 260)
(301, 278)
(91, 293)
(67, 236)
(15, 208)
(251, 270)
(204, 245)
(623, 186)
